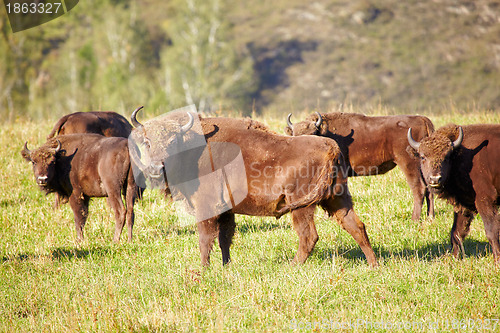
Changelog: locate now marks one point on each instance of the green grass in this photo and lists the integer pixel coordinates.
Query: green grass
(156, 283)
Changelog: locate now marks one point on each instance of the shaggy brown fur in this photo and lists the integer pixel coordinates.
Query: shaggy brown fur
(467, 176)
(374, 145)
(275, 162)
(87, 165)
(324, 184)
(254, 124)
(439, 144)
(106, 123)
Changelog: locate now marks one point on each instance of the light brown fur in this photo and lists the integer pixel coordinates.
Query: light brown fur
(281, 156)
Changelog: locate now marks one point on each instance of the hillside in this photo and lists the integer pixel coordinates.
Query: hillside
(271, 57)
(406, 54)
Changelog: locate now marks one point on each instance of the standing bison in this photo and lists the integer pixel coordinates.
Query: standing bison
(462, 165)
(373, 146)
(80, 166)
(283, 174)
(106, 123)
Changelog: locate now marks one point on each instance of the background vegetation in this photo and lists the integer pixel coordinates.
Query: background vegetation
(156, 283)
(264, 59)
(267, 56)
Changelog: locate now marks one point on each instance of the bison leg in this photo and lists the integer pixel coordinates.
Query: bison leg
(491, 220)
(487, 205)
(130, 196)
(341, 207)
(59, 200)
(303, 223)
(460, 230)
(418, 189)
(429, 200)
(113, 190)
(116, 203)
(80, 206)
(226, 233)
(208, 230)
(492, 229)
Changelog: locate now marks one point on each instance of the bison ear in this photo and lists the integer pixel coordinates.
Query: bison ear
(26, 156)
(412, 152)
(323, 128)
(288, 131)
(26, 153)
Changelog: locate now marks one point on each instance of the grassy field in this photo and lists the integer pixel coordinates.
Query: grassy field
(156, 283)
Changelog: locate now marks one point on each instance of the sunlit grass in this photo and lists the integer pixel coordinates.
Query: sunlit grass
(156, 283)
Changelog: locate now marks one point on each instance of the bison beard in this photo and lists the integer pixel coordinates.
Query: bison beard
(84, 166)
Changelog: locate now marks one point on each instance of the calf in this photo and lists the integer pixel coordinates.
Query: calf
(107, 123)
(80, 166)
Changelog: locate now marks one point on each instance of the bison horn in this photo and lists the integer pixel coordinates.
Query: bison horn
(414, 144)
(288, 121)
(133, 117)
(189, 124)
(319, 121)
(58, 146)
(459, 140)
(26, 150)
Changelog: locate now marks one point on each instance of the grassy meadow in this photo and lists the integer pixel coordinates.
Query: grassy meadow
(156, 283)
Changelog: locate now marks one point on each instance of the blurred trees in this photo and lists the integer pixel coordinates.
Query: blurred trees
(275, 55)
(201, 66)
(109, 55)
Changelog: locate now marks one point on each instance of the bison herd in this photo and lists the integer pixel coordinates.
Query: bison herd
(87, 155)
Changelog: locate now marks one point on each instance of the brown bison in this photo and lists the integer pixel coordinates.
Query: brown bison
(106, 123)
(81, 166)
(462, 165)
(283, 174)
(373, 146)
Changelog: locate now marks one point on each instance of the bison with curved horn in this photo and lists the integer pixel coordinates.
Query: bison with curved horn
(462, 164)
(78, 167)
(283, 174)
(373, 146)
(107, 123)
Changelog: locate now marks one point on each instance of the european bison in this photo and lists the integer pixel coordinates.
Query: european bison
(462, 165)
(282, 174)
(80, 166)
(373, 146)
(107, 123)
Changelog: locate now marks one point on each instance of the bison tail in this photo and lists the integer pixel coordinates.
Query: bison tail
(132, 191)
(324, 184)
(57, 127)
